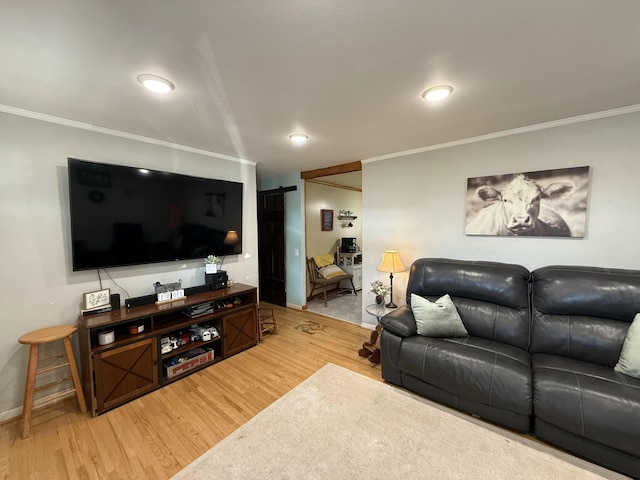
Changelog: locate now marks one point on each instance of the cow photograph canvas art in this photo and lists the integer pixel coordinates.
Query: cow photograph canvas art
(546, 203)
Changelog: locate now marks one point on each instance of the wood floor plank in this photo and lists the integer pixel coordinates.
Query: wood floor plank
(155, 436)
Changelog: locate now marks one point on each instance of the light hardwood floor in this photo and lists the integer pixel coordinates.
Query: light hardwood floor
(157, 435)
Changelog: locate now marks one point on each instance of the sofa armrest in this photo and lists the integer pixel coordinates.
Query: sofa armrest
(400, 322)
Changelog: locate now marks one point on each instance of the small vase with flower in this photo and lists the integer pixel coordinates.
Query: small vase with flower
(380, 291)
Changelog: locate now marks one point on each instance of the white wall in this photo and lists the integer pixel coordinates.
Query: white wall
(416, 203)
(318, 197)
(39, 288)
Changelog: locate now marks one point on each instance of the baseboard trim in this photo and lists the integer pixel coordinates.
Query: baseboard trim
(10, 415)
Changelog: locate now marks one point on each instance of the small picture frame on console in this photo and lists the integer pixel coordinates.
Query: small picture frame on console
(97, 299)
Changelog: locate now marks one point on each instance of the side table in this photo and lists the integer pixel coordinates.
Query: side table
(371, 349)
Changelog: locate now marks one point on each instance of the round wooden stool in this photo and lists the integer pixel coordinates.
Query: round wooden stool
(34, 340)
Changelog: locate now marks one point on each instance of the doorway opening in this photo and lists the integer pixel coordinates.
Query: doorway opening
(335, 192)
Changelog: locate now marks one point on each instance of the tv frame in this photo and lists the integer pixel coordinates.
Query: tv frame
(92, 184)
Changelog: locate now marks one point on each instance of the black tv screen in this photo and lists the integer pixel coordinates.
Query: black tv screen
(130, 216)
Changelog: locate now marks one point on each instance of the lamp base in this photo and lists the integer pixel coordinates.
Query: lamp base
(391, 305)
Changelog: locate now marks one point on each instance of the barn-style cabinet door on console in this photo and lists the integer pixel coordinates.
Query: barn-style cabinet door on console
(125, 373)
(239, 331)
(154, 345)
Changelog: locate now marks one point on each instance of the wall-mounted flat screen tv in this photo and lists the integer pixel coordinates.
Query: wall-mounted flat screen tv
(124, 215)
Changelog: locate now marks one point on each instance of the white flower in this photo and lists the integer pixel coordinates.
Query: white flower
(379, 289)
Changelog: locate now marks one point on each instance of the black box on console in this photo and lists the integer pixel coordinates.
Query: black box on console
(197, 289)
(217, 281)
(139, 301)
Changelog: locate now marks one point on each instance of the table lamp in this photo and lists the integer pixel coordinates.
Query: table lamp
(391, 263)
(231, 238)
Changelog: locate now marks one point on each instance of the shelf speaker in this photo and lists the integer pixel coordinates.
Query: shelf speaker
(115, 300)
(216, 281)
(139, 301)
(197, 289)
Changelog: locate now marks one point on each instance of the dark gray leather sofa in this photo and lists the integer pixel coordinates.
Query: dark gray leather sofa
(539, 357)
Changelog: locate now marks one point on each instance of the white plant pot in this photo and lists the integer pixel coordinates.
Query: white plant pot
(210, 268)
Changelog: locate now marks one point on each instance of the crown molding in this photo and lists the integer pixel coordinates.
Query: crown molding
(507, 133)
(117, 133)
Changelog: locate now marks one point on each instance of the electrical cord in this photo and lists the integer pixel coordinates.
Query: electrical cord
(114, 282)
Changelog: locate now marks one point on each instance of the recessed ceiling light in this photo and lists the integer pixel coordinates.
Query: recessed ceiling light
(155, 83)
(299, 137)
(434, 94)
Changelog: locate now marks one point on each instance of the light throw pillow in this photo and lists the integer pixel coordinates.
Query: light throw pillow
(330, 271)
(629, 361)
(437, 319)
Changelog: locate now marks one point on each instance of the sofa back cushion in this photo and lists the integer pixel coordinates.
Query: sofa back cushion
(492, 298)
(583, 312)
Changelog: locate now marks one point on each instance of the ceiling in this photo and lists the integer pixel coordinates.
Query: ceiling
(347, 72)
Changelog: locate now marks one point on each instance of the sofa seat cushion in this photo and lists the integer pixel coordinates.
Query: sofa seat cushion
(588, 400)
(485, 371)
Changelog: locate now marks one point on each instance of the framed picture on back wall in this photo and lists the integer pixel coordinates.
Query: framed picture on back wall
(326, 219)
(545, 203)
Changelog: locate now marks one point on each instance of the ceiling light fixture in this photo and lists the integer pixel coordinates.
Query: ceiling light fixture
(299, 137)
(440, 92)
(155, 83)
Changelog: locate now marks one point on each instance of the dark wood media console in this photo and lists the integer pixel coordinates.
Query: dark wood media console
(134, 363)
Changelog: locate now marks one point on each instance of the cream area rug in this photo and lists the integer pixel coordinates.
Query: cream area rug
(338, 424)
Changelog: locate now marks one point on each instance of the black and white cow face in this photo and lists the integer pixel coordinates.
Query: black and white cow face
(520, 202)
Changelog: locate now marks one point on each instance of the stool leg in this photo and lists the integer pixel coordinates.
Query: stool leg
(74, 374)
(29, 389)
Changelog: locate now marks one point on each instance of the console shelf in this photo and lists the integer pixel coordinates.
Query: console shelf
(134, 364)
(189, 346)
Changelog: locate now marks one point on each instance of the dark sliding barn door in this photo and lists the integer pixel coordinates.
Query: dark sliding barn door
(271, 245)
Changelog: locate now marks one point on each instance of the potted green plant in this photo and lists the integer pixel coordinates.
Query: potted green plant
(211, 264)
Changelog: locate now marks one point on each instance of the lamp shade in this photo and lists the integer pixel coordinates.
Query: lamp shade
(231, 238)
(391, 262)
